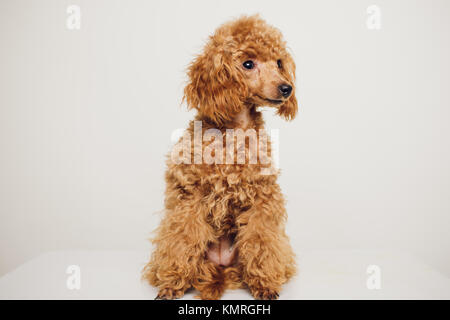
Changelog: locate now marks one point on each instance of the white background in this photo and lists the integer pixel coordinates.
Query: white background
(86, 118)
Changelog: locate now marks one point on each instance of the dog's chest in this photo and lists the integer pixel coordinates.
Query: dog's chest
(232, 189)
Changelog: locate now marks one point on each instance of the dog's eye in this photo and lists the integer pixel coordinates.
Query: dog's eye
(248, 64)
(279, 64)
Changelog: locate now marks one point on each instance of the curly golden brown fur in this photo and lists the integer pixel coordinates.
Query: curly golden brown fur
(244, 65)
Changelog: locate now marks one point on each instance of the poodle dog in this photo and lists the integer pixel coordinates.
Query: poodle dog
(224, 220)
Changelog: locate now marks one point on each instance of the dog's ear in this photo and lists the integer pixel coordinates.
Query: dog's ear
(288, 110)
(215, 87)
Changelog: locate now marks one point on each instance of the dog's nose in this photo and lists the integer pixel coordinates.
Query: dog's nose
(285, 90)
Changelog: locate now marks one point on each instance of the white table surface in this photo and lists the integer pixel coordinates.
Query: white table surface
(323, 275)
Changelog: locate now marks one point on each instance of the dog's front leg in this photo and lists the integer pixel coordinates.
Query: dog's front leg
(181, 243)
(264, 249)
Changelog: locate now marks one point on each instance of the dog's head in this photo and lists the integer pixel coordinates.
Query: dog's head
(244, 63)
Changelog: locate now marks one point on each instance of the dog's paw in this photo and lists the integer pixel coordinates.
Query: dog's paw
(169, 294)
(265, 294)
